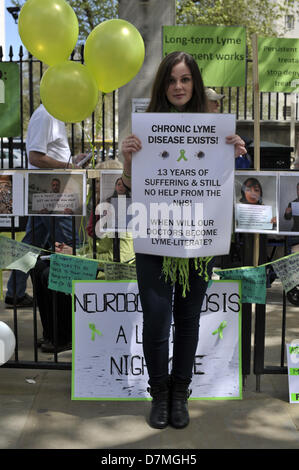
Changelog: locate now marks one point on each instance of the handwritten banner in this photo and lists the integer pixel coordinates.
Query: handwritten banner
(65, 269)
(17, 255)
(287, 269)
(253, 217)
(119, 271)
(57, 202)
(108, 360)
(253, 282)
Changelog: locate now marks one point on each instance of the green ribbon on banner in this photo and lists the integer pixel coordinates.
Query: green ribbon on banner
(94, 331)
(220, 329)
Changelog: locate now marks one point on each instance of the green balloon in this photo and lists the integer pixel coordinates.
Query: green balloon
(48, 29)
(69, 92)
(114, 54)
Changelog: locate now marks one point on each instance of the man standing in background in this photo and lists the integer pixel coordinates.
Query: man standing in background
(47, 147)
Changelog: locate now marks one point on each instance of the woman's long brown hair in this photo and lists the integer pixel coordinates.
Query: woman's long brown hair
(159, 102)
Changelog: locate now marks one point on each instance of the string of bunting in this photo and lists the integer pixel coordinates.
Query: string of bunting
(63, 268)
(66, 268)
(254, 277)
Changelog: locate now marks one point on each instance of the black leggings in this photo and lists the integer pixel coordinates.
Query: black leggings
(159, 302)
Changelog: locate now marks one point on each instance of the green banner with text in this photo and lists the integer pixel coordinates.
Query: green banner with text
(220, 51)
(278, 60)
(10, 118)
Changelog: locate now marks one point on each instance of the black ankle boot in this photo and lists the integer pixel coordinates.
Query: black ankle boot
(179, 394)
(159, 415)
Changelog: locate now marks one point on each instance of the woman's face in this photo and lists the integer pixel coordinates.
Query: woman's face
(119, 187)
(252, 193)
(180, 88)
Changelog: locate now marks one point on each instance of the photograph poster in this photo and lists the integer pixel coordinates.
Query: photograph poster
(55, 193)
(11, 193)
(115, 200)
(256, 202)
(289, 203)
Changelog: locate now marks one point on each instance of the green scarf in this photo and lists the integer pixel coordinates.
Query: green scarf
(177, 269)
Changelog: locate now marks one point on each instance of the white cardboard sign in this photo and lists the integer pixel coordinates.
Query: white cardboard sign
(108, 361)
(293, 371)
(182, 184)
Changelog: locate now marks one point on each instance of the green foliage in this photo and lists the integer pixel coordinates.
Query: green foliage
(90, 13)
(263, 17)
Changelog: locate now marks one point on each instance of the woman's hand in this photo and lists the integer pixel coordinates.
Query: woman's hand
(239, 144)
(129, 145)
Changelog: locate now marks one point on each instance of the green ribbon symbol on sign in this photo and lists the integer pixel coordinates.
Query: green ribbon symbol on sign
(182, 156)
(220, 329)
(94, 331)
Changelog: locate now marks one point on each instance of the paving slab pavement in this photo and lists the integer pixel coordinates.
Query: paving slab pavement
(36, 410)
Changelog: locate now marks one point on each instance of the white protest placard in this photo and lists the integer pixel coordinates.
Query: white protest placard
(295, 208)
(108, 361)
(55, 202)
(252, 217)
(293, 371)
(139, 105)
(182, 184)
(6, 222)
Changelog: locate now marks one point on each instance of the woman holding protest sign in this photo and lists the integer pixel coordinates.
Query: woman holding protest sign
(178, 87)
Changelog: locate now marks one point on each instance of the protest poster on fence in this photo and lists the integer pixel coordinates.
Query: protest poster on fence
(278, 61)
(256, 205)
(65, 268)
(108, 361)
(11, 193)
(182, 184)
(220, 51)
(56, 193)
(289, 203)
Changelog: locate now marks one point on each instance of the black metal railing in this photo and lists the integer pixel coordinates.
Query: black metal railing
(101, 131)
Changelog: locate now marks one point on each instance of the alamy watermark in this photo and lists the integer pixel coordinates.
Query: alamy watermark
(156, 220)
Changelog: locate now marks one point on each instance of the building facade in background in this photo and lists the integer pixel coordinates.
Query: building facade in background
(2, 24)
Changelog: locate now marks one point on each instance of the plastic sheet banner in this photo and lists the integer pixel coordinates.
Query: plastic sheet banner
(293, 371)
(10, 98)
(220, 51)
(278, 60)
(108, 361)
